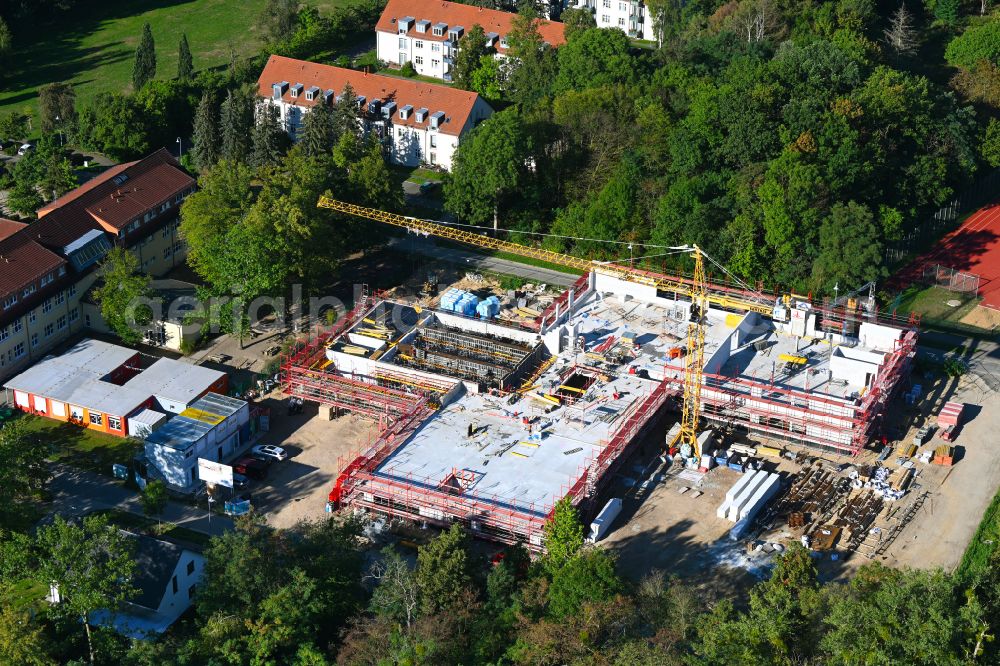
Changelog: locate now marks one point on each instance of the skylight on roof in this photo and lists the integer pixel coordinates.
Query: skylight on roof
(120, 178)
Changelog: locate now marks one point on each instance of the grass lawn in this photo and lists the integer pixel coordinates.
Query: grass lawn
(93, 44)
(932, 302)
(984, 542)
(81, 447)
(23, 594)
(151, 526)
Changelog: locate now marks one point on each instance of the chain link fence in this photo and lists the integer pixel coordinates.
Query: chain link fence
(951, 279)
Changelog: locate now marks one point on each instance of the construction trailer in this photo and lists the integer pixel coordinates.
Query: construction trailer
(491, 424)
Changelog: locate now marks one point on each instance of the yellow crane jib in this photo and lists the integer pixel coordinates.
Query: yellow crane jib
(429, 228)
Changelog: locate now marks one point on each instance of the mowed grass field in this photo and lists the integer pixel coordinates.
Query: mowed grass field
(92, 45)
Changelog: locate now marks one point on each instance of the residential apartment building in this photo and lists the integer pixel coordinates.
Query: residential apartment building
(46, 266)
(419, 123)
(426, 34)
(630, 16)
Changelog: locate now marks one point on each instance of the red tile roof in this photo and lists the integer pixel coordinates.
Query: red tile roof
(114, 200)
(23, 261)
(9, 227)
(453, 14)
(131, 199)
(456, 104)
(72, 195)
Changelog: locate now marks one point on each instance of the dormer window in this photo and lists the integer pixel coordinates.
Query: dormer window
(388, 109)
(313, 93)
(421, 114)
(503, 42)
(405, 24)
(491, 39)
(278, 89)
(439, 29)
(437, 119)
(374, 106)
(405, 112)
(422, 26)
(361, 101)
(455, 33)
(297, 90)
(329, 96)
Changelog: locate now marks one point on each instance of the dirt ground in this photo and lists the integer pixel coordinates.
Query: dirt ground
(661, 528)
(941, 530)
(986, 318)
(297, 489)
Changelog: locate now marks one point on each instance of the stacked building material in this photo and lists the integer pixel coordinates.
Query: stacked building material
(488, 308)
(950, 414)
(944, 455)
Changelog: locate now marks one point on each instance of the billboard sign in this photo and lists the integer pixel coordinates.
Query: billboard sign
(215, 473)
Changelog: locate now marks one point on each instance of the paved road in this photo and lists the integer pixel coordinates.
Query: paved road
(476, 261)
(77, 492)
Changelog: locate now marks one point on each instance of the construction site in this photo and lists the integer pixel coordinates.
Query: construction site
(491, 418)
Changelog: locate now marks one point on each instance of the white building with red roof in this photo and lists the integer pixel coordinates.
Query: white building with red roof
(427, 33)
(419, 123)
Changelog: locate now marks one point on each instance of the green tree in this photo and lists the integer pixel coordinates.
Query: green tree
(56, 106)
(115, 125)
(991, 143)
(588, 577)
(223, 198)
(59, 177)
(121, 295)
(22, 639)
(6, 38)
(563, 535)
(154, 498)
(595, 58)
(206, 133)
(268, 138)
(471, 50)
(144, 65)
(14, 125)
(277, 20)
(532, 64)
(346, 113)
(489, 167)
(236, 121)
(23, 470)
(397, 594)
(901, 617)
(185, 63)
(488, 78)
(90, 564)
(850, 252)
(319, 131)
(24, 199)
(576, 21)
(947, 11)
(444, 570)
(979, 43)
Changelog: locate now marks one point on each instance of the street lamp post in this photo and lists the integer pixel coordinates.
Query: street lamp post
(180, 148)
(59, 129)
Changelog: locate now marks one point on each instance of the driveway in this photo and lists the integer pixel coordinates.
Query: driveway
(78, 493)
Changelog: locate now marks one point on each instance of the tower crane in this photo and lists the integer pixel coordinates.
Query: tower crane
(700, 292)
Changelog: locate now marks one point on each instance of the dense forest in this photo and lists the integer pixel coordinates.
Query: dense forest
(792, 140)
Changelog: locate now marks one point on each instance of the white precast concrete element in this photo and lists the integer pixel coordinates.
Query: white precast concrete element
(602, 523)
(749, 490)
(769, 485)
(732, 493)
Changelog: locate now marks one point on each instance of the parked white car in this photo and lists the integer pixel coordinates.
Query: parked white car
(25, 149)
(270, 451)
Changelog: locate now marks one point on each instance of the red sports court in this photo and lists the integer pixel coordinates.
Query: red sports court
(973, 248)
